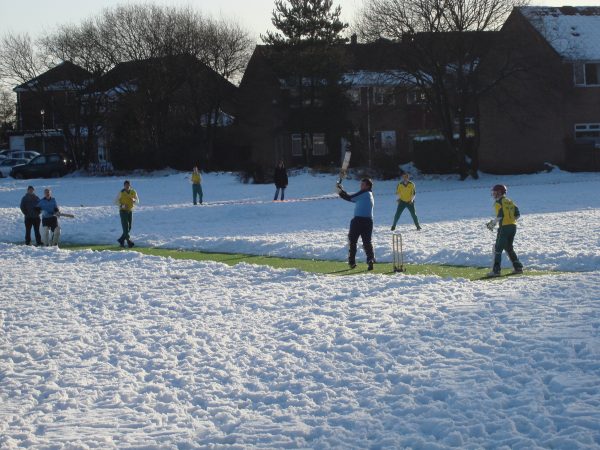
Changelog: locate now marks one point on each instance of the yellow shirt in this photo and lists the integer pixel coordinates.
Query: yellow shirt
(126, 200)
(406, 192)
(507, 211)
(196, 178)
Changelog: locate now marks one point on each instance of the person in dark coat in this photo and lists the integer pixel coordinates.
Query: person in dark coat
(281, 180)
(32, 216)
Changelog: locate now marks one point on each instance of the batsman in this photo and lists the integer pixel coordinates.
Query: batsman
(507, 214)
(361, 224)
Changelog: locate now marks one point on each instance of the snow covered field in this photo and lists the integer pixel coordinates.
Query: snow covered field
(120, 350)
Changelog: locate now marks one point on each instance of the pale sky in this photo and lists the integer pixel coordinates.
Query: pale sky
(37, 16)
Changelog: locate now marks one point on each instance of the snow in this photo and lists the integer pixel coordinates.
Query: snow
(122, 350)
(574, 32)
(366, 78)
(560, 215)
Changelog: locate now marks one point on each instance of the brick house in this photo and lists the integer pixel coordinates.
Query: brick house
(548, 112)
(47, 107)
(382, 112)
(173, 110)
(170, 110)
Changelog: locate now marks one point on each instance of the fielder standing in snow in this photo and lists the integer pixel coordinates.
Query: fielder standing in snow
(126, 200)
(507, 214)
(406, 193)
(49, 209)
(196, 185)
(362, 223)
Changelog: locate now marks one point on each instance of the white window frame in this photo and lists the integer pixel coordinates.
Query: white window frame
(580, 73)
(354, 94)
(319, 145)
(296, 144)
(589, 132)
(387, 141)
(383, 95)
(415, 97)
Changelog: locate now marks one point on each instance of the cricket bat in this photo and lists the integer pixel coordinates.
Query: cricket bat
(345, 164)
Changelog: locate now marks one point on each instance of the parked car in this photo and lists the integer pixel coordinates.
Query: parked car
(7, 164)
(52, 165)
(21, 154)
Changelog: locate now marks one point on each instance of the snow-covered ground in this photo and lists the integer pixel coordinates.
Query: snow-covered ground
(121, 350)
(560, 227)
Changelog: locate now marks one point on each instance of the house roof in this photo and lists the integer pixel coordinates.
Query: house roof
(573, 31)
(384, 62)
(127, 74)
(62, 77)
(375, 56)
(127, 77)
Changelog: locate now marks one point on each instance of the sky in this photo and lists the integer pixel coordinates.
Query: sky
(43, 15)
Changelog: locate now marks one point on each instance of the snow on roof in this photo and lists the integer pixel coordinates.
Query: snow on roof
(361, 78)
(385, 78)
(573, 31)
(62, 85)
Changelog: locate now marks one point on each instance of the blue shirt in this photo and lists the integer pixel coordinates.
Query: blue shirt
(364, 203)
(48, 206)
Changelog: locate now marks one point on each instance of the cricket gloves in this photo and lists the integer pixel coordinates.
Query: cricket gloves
(491, 224)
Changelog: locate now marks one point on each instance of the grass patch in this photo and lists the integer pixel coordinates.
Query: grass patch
(334, 268)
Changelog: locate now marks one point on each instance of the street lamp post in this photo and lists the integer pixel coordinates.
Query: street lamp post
(42, 113)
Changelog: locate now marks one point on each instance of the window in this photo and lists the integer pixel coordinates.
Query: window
(385, 141)
(39, 160)
(586, 74)
(319, 145)
(296, 145)
(383, 96)
(354, 95)
(591, 73)
(415, 97)
(588, 132)
(102, 153)
(69, 98)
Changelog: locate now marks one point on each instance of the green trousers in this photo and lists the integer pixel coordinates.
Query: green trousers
(504, 242)
(126, 221)
(197, 192)
(411, 209)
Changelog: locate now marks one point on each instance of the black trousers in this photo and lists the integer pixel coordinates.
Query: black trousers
(35, 223)
(50, 222)
(361, 227)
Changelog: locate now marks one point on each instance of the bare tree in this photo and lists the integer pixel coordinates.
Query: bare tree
(7, 106)
(154, 35)
(20, 59)
(446, 42)
(7, 113)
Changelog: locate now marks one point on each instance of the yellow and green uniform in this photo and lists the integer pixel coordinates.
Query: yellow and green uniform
(406, 194)
(126, 200)
(196, 187)
(506, 211)
(507, 214)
